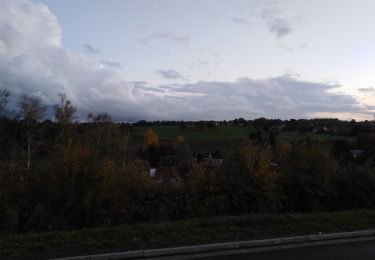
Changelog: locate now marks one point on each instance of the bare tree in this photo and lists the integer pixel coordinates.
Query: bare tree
(125, 142)
(32, 111)
(103, 121)
(4, 100)
(64, 112)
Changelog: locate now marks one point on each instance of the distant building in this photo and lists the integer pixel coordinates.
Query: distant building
(356, 153)
(168, 175)
(214, 159)
(152, 172)
(273, 164)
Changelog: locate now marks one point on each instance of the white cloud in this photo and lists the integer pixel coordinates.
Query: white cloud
(25, 26)
(33, 60)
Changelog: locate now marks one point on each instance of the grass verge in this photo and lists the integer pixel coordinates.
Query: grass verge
(189, 232)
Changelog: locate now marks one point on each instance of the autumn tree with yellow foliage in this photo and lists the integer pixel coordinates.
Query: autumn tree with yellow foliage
(179, 139)
(150, 138)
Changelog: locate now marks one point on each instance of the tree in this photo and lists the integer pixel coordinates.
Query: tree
(4, 123)
(341, 149)
(125, 142)
(179, 139)
(64, 112)
(99, 118)
(182, 125)
(102, 122)
(150, 138)
(32, 112)
(153, 155)
(307, 178)
(4, 99)
(271, 139)
(184, 157)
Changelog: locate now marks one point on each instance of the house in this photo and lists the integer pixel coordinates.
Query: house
(273, 164)
(168, 175)
(168, 161)
(356, 153)
(320, 130)
(277, 129)
(214, 158)
(152, 172)
(201, 157)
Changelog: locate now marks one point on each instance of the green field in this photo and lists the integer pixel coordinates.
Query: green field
(190, 133)
(196, 231)
(222, 138)
(219, 133)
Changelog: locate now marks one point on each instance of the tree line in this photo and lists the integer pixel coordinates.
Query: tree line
(70, 175)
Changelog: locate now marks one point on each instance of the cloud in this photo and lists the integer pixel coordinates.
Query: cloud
(90, 49)
(171, 37)
(238, 20)
(33, 60)
(279, 27)
(278, 97)
(112, 64)
(26, 26)
(169, 74)
(276, 24)
(369, 90)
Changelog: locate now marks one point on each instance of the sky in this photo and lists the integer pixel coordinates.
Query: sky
(193, 59)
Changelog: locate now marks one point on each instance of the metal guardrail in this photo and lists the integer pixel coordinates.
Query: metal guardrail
(233, 248)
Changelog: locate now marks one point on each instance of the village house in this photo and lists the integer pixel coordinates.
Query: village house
(356, 153)
(214, 158)
(168, 175)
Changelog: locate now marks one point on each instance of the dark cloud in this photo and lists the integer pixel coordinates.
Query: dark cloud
(169, 74)
(275, 22)
(90, 49)
(112, 64)
(279, 27)
(278, 97)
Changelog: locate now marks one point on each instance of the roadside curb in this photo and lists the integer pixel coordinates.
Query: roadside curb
(233, 248)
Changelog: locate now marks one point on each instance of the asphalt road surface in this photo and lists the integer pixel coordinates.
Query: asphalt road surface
(348, 251)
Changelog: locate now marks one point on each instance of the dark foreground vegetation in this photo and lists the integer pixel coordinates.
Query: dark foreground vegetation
(64, 175)
(180, 233)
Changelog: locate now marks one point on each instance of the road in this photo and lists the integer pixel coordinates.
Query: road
(348, 251)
